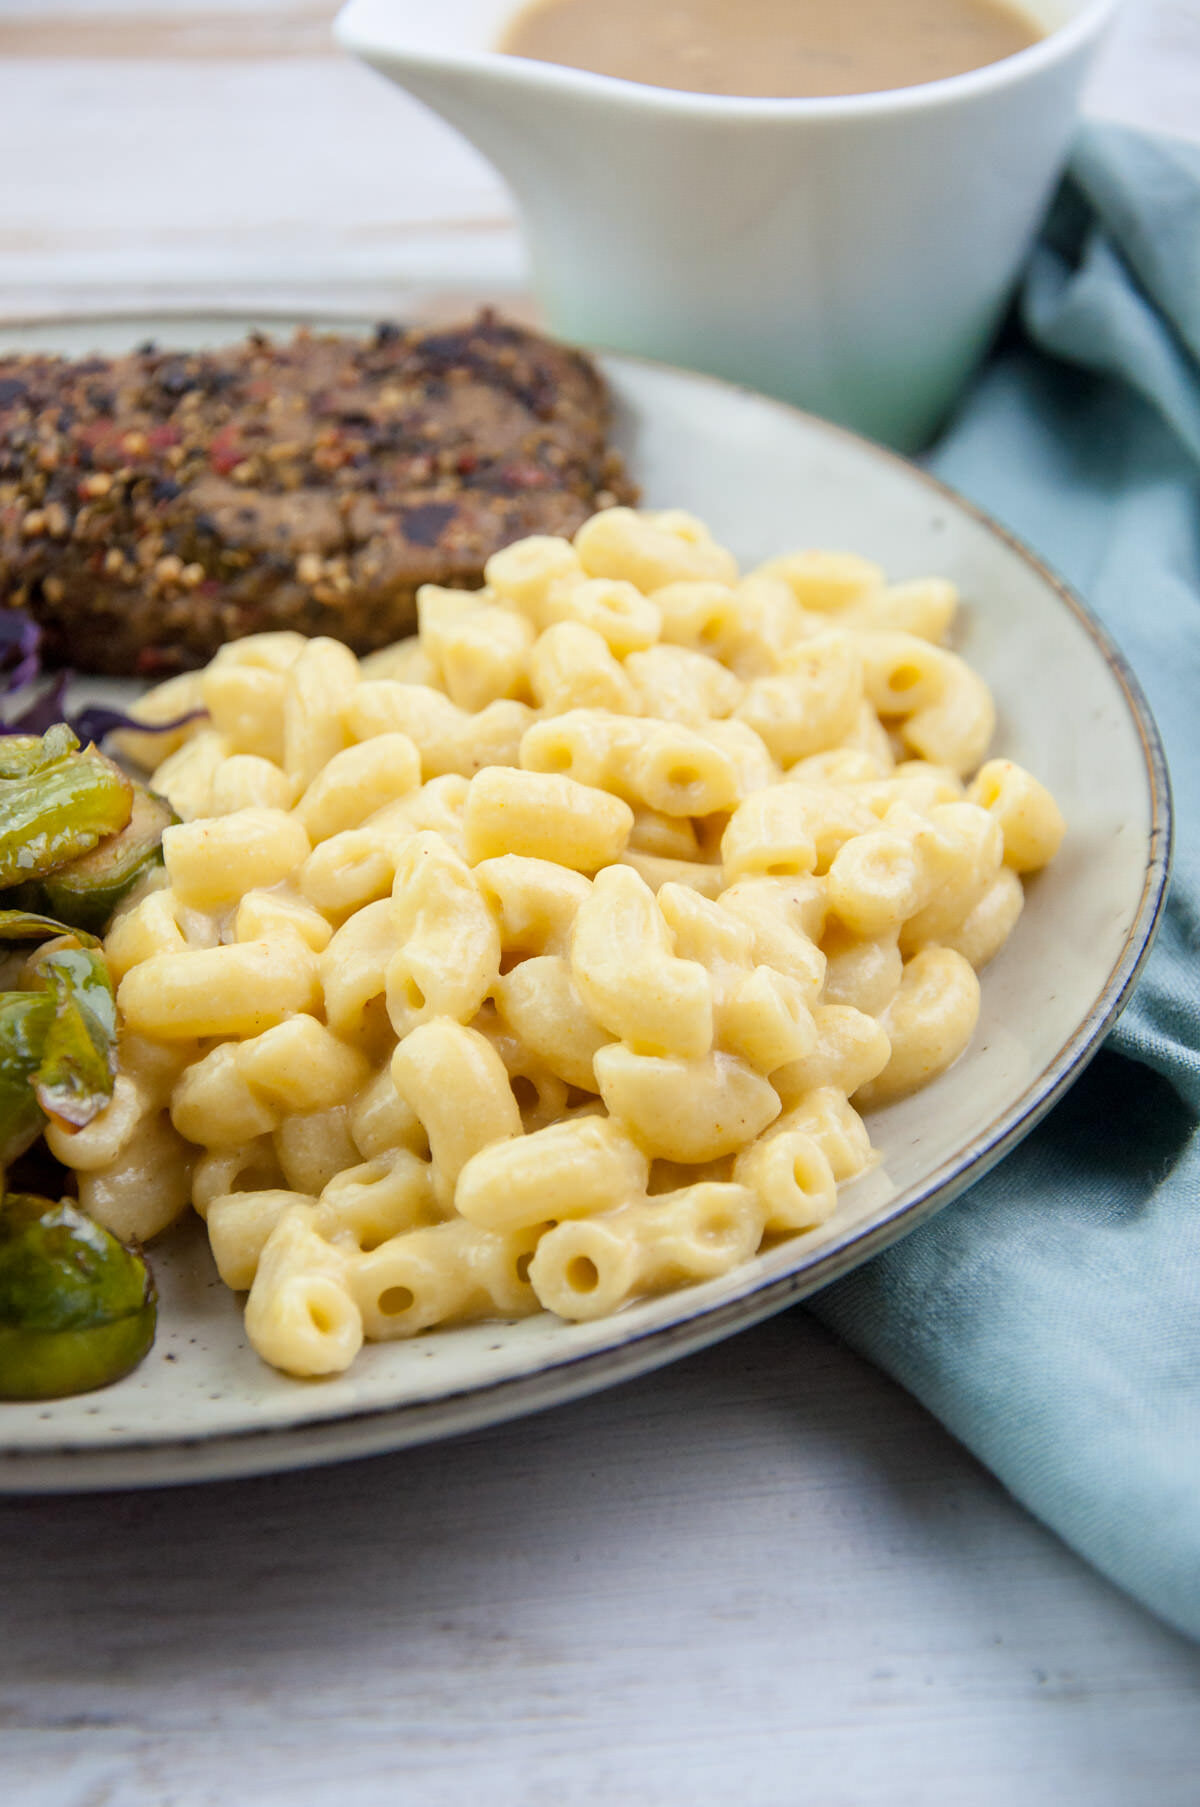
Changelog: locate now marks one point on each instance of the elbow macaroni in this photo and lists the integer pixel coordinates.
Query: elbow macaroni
(608, 878)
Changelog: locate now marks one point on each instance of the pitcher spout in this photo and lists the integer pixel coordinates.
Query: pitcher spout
(511, 110)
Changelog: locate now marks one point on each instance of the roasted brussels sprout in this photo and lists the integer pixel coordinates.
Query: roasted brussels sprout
(74, 1080)
(57, 810)
(86, 891)
(25, 1018)
(57, 1044)
(77, 1309)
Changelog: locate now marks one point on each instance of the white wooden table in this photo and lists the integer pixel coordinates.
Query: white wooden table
(764, 1576)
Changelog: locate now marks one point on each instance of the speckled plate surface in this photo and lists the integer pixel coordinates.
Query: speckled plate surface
(766, 478)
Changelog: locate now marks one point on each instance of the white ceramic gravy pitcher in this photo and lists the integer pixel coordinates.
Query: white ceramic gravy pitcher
(850, 254)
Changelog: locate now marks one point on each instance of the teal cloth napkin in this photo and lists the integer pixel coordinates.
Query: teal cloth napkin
(1051, 1316)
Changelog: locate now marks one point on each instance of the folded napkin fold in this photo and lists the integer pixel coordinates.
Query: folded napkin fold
(1051, 1316)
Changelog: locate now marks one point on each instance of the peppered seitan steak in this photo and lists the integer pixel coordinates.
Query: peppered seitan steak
(156, 505)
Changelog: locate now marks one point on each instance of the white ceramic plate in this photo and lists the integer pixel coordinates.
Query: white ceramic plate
(766, 478)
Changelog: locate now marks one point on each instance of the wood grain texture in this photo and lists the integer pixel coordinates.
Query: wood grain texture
(189, 152)
(764, 1576)
(216, 33)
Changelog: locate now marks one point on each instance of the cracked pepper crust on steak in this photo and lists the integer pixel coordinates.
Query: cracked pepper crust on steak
(156, 505)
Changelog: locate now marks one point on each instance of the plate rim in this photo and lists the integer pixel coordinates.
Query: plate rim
(372, 1429)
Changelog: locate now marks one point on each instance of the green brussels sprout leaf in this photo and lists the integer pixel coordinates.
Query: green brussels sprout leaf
(28, 925)
(74, 1079)
(57, 811)
(25, 1019)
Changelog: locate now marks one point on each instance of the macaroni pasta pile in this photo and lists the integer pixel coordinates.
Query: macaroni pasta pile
(534, 962)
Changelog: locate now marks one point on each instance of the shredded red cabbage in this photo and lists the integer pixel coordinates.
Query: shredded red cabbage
(21, 667)
(20, 641)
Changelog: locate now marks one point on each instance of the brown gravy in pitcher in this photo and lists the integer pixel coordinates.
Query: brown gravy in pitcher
(772, 48)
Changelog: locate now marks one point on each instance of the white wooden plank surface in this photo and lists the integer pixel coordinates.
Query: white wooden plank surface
(764, 1576)
(203, 169)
